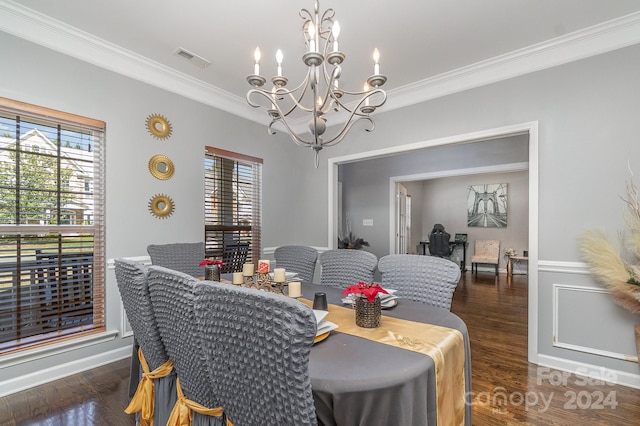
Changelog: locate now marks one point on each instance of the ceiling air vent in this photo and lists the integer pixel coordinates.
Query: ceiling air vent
(192, 57)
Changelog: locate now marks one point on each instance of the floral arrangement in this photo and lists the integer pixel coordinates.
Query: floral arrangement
(606, 262)
(208, 262)
(510, 252)
(370, 291)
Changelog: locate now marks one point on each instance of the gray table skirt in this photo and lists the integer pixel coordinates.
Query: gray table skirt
(356, 381)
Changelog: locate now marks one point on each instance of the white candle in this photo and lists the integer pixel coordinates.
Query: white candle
(279, 58)
(256, 56)
(279, 275)
(295, 289)
(238, 277)
(336, 33)
(247, 269)
(311, 30)
(263, 266)
(366, 89)
(376, 61)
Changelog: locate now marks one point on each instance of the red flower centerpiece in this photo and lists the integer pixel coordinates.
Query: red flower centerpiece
(367, 303)
(208, 262)
(212, 269)
(370, 291)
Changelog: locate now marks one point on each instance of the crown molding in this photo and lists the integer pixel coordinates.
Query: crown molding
(30, 25)
(35, 27)
(592, 41)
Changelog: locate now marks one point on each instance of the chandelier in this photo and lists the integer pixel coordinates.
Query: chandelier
(320, 93)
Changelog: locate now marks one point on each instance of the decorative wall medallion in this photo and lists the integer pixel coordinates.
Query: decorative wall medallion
(158, 126)
(161, 167)
(161, 206)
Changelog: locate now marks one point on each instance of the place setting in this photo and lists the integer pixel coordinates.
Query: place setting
(321, 310)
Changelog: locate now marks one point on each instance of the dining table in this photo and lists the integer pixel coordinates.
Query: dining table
(359, 381)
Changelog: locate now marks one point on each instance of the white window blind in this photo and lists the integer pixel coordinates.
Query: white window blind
(233, 186)
(51, 225)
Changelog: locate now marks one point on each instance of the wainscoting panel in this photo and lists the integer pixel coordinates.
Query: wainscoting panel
(585, 319)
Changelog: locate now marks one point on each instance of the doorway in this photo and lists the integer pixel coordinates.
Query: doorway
(529, 129)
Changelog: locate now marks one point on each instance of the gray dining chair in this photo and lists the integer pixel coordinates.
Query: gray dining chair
(172, 298)
(426, 279)
(183, 257)
(256, 346)
(343, 267)
(296, 258)
(132, 280)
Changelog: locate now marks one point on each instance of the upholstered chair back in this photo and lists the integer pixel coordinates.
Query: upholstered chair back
(426, 279)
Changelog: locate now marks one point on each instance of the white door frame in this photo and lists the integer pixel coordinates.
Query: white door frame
(530, 128)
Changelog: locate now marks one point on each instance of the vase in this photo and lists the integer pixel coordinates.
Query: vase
(368, 313)
(212, 273)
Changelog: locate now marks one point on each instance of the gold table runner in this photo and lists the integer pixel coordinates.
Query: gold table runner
(444, 345)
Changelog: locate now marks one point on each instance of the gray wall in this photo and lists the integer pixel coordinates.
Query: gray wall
(588, 130)
(587, 112)
(445, 202)
(366, 186)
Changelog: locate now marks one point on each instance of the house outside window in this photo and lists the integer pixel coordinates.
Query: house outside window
(51, 226)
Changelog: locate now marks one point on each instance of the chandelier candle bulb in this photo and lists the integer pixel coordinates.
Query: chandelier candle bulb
(279, 275)
(238, 277)
(336, 32)
(366, 89)
(247, 269)
(312, 37)
(376, 61)
(256, 56)
(279, 58)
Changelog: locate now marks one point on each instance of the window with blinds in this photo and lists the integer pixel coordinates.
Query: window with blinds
(232, 204)
(51, 225)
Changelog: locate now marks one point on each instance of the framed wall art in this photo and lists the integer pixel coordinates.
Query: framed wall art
(487, 205)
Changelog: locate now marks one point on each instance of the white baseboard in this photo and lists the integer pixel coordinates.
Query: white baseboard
(56, 372)
(592, 371)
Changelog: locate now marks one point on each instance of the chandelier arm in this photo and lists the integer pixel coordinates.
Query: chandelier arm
(359, 104)
(297, 103)
(345, 129)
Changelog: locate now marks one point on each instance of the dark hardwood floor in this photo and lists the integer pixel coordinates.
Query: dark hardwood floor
(506, 388)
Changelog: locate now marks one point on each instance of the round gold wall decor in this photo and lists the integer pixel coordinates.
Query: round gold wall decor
(158, 126)
(161, 206)
(161, 167)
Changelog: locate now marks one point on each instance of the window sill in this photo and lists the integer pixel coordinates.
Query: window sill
(56, 348)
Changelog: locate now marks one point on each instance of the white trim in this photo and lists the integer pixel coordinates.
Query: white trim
(530, 128)
(28, 24)
(592, 371)
(36, 378)
(395, 180)
(587, 349)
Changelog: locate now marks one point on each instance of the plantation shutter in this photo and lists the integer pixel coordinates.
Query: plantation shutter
(233, 186)
(51, 225)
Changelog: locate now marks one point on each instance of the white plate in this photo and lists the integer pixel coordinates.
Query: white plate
(325, 327)
(319, 315)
